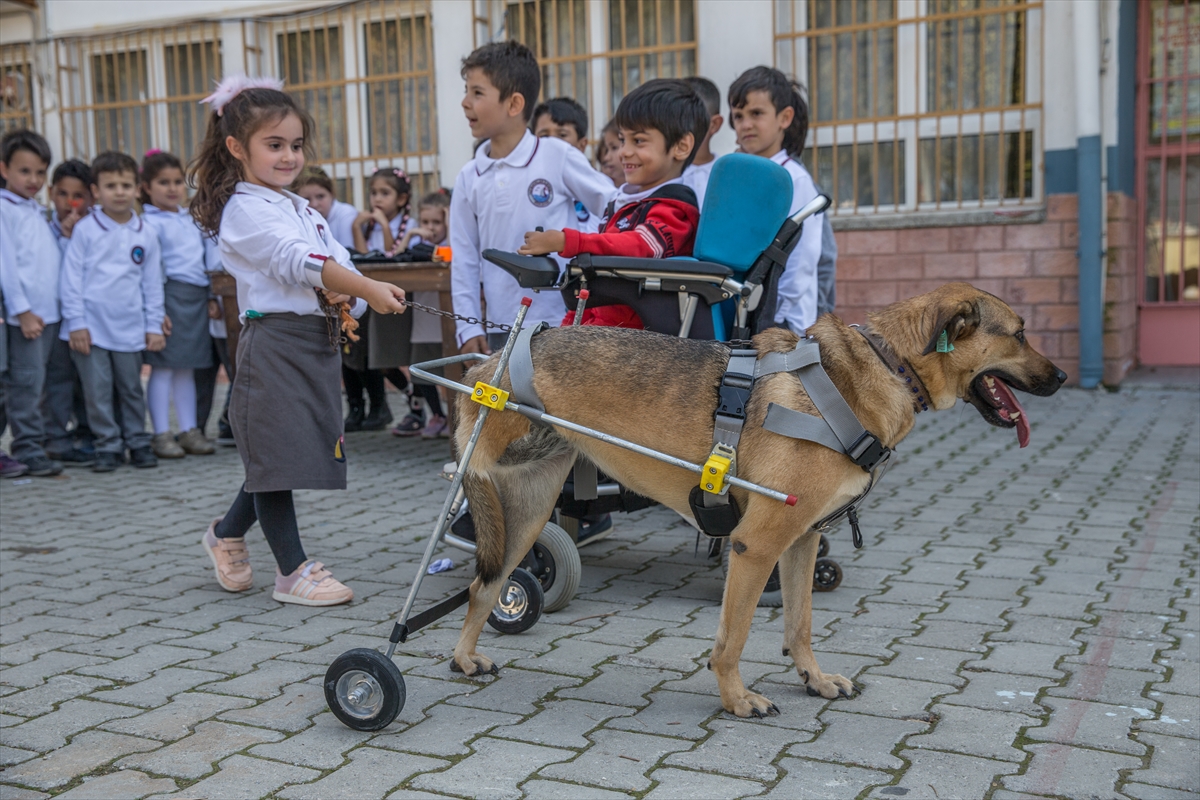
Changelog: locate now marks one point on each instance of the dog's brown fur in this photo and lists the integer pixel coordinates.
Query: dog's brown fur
(660, 392)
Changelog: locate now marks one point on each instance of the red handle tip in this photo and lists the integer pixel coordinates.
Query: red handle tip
(526, 301)
(584, 294)
(791, 500)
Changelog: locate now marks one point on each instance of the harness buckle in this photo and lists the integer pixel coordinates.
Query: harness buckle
(867, 451)
(735, 393)
(721, 463)
(489, 396)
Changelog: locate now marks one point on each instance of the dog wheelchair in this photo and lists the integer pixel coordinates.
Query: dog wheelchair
(726, 292)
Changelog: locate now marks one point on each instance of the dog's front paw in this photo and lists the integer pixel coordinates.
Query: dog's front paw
(828, 686)
(752, 705)
(473, 664)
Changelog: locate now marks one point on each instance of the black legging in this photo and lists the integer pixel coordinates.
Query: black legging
(276, 514)
(356, 380)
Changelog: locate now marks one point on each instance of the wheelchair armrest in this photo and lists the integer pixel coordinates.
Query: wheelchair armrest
(531, 272)
(622, 263)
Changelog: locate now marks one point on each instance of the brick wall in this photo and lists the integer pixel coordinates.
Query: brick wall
(1032, 267)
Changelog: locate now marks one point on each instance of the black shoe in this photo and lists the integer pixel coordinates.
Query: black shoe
(225, 436)
(42, 467)
(379, 418)
(74, 458)
(143, 458)
(354, 420)
(593, 529)
(106, 462)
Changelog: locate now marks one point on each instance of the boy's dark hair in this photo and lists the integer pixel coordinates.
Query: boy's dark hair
(708, 92)
(438, 199)
(72, 168)
(783, 93)
(666, 105)
(564, 111)
(154, 162)
(511, 67)
(314, 176)
(112, 161)
(24, 139)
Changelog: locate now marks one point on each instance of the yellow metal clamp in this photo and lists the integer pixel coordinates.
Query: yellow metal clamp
(490, 396)
(721, 464)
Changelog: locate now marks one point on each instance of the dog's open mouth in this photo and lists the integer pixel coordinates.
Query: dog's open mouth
(998, 404)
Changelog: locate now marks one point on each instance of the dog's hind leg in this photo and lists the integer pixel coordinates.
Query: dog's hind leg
(510, 505)
(750, 564)
(796, 568)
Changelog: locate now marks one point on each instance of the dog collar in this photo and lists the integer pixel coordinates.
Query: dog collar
(897, 366)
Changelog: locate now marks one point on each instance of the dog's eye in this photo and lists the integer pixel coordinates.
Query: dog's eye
(1020, 336)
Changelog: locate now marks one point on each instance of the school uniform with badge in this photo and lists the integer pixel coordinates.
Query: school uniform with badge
(112, 286)
(798, 288)
(495, 201)
(186, 291)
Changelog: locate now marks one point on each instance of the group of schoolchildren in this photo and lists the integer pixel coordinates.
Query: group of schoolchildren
(529, 188)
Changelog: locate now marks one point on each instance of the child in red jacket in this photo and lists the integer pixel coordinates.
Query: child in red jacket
(655, 214)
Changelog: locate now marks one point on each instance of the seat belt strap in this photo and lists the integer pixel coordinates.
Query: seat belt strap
(520, 368)
(586, 479)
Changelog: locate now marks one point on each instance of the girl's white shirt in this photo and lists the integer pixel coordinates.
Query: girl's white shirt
(341, 222)
(398, 224)
(275, 245)
(182, 243)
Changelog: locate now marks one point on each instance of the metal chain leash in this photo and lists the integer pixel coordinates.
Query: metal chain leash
(451, 315)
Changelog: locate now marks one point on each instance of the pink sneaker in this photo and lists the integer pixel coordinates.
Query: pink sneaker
(230, 559)
(311, 585)
(436, 428)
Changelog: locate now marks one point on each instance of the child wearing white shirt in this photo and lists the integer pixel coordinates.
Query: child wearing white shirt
(294, 283)
(29, 280)
(317, 188)
(516, 183)
(696, 175)
(112, 300)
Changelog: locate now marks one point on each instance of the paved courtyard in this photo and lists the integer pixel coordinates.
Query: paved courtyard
(1021, 622)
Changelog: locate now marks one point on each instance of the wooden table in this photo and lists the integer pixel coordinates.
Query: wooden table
(411, 277)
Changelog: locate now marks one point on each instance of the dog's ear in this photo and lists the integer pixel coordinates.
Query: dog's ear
(956, 320)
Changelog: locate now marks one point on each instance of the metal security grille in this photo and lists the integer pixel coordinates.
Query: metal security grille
(596, 51)
(16, 87)
(365, 73)
(137, 90)
(926, 105)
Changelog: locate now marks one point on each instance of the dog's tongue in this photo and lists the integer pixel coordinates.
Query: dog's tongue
(1013, 411)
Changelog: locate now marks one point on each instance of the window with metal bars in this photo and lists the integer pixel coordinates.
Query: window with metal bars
(16, 87)
(918, 107)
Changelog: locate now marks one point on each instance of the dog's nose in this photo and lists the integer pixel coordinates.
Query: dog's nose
(1062, 376)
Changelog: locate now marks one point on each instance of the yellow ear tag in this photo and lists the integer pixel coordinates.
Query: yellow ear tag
(943, 343)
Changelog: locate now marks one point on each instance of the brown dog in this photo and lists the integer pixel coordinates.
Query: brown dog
(661, 392)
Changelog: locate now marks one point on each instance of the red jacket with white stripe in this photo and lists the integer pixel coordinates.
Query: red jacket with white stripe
(662, 225)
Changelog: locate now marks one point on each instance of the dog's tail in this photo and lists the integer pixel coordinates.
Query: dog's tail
(490, 533)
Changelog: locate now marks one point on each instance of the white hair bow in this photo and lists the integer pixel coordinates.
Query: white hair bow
(233, 85)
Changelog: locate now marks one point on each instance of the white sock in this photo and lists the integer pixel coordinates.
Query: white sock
(158, 398)
(183, 394)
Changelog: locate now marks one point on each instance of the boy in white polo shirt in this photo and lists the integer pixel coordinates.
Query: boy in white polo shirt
(516, 183)
(112, 300)
(29, 267)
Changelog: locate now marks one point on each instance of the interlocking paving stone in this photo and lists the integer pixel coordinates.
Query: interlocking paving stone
(494, 770)
(1172, 764)
(859, 739)
(85, 752)
(973, 732)
(1094, 725)
(370, 773)
(1000, 692)
(822, 780)
(738, 748)
(124, 785)
(290, 711)
(932, 775)
(516, 691)
(678, 784)
(555, 790)
(43, 699)
(562, 723)
(14, 755)
(240, 776)
(51, 731)
(617, 760)
(1179, 716)
(20, 793)
(445, 731)
(193, 756)
(177, 718)
(1057, 769)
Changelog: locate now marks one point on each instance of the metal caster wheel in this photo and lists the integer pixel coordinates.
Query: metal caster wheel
(364, 689)
(827, 575)
(520, 605)
(823, 547)
(554, 561)
(772, 596)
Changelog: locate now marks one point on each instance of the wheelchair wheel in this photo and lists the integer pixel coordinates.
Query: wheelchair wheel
(827, 576)
(520, 605)
(556, 565)
(823, 547)
(772, 596)
(364, 689)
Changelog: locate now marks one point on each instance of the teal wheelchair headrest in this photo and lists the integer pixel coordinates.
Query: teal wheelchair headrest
(747, 199)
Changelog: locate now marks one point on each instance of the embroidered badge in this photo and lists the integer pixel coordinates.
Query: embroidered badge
(321, 232)
(137, 254)
(623, 223)
(581, 212)
(541, 193)
(339, 450)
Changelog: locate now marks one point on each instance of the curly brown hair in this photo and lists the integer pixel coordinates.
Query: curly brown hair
(214, 172)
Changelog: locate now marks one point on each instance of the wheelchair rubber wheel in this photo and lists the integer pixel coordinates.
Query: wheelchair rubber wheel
(520, 604)
(557, 567)
(772, 596)
(364, 689)
(823, 547)
(827, 575)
